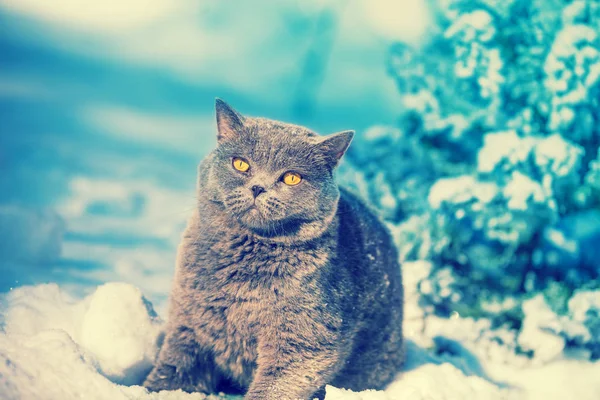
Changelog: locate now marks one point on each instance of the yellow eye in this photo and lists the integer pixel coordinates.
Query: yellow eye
(240, 164)
(292, 178)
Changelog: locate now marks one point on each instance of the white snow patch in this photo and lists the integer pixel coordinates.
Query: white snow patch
(461, 189)
(546, 333)
(582, 306)
(105, 210)
(567, 379)
(121, 329)
(535, 332)
(582, 302)
(51, 366)
(112, 334)
(414, 278)
(558, 239)
(34, 309)
(429, 381)
(558, 154)
(521, 189)
(503, 151)
(444, 381)
(469, 25)
(503, 145)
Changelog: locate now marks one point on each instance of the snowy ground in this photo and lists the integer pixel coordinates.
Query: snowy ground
(55, 346)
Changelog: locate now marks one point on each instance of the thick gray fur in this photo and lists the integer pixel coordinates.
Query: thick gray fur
(279, 295)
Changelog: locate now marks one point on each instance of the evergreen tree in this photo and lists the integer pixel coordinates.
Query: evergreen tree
(493, 172)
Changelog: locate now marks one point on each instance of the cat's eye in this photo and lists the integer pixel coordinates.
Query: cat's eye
(240, 164)
(291, 178)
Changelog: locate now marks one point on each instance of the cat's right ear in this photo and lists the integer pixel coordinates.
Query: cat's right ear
(229, 121)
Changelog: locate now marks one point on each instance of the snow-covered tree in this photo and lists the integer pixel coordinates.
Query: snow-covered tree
(493, 171)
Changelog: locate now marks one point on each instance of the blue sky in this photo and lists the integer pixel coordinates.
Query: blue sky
(105, 110)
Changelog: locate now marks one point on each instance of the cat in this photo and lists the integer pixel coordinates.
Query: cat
(284, 281)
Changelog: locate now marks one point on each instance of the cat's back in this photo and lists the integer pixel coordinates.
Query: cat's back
(360, 227)
(367, 251)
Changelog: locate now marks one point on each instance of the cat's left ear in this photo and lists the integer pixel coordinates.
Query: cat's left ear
(229, 122)
(335, 145)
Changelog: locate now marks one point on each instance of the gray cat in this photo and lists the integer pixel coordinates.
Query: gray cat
(284, 282)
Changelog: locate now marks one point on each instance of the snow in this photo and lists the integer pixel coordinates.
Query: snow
(502, 145)
(55, 346)
(50, 365)
(548, 333)
(471, 23)
(572, 69)
(558, 155)
(535, 334)
(429, 381)
(133, 332)
(521, 189)
(461, 189)
(116, 325)
(582, 302)
(559, 239)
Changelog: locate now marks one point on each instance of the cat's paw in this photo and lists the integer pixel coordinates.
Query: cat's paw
(161, 378)
(166, 377)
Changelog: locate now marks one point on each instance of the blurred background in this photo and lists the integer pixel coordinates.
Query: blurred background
(106, 109)
(477, 138)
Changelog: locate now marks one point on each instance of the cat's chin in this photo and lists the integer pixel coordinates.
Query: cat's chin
(254, 219)
(282, 230)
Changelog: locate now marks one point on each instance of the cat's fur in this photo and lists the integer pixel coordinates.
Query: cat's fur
(277, 300)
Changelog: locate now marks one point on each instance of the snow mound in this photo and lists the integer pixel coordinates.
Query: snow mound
(48, 336)
(547, 333)
(535, 334)
(29, 310)
(121, 329)
(427, 376)
(51, 366)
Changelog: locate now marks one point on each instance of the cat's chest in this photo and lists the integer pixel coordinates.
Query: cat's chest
(244, 286)
(246, 264)
(246, 278)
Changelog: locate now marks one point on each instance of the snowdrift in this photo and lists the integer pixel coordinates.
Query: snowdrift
(54, 346)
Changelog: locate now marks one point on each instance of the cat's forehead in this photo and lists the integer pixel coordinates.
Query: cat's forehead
(271, 128)
(276, 145)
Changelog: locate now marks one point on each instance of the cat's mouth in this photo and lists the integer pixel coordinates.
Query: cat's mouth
(254, 211)
(257, 214)
(258, 220)
(253, 216)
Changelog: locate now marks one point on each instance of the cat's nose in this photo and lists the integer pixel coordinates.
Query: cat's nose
(256, 190)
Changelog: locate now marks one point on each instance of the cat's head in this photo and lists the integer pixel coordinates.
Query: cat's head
(276, 179)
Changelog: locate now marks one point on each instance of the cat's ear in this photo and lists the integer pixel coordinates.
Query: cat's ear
(335, 145)
(229, 121)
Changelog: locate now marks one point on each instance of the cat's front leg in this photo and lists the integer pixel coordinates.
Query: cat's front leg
(182, 364)
(294, 374)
